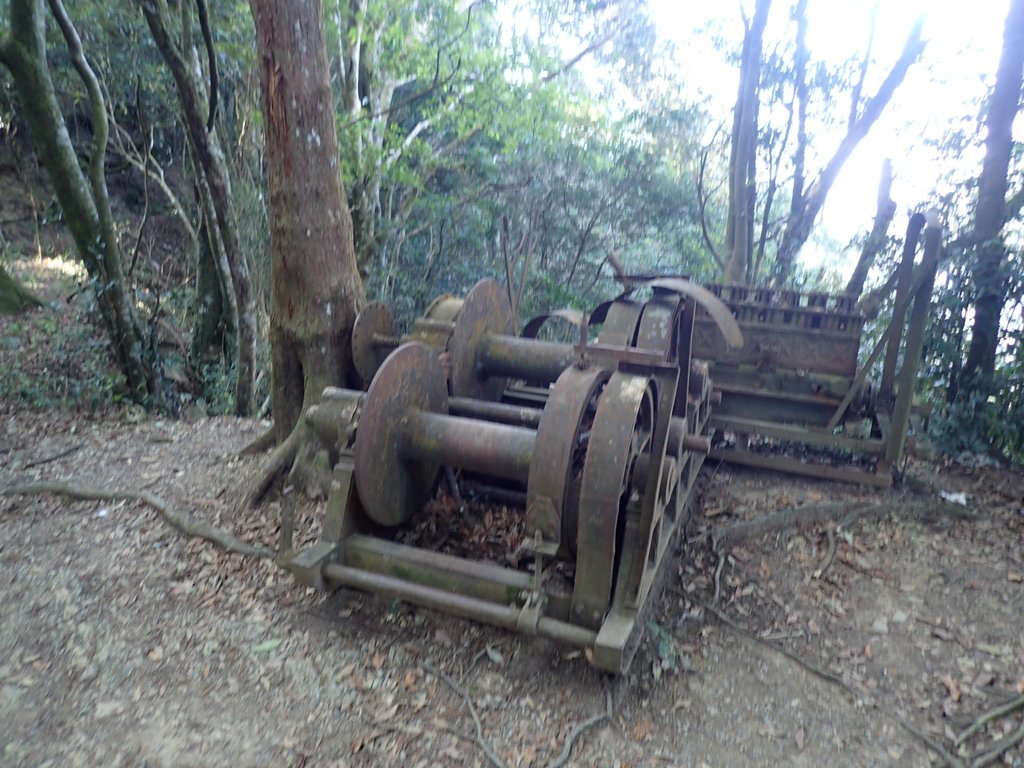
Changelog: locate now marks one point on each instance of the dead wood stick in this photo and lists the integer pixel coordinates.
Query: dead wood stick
(448, 680)
(793, 517)
(995, 714)
(830, 677)
(718, 574)
(182, 521)
(53, 457)
(823, 513)
(581, 728)
(826, 562)
(996, 751)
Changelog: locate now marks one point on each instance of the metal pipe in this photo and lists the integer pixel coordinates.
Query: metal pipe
(429, 324)
(519, 358)
(498, 412)
(494, 493)
(479, 446)
(505, 616)
(680, 439)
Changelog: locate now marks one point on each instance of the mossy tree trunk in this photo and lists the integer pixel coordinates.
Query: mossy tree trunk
(83, 199)
(208, 325)
(213, 181)
(315, 284)
(14, 297)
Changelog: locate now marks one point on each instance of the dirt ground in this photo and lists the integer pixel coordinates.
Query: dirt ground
(123, 643)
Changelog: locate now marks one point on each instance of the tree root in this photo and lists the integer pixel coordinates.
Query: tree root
(263, 443)
(582, 728)
(479, 740)
(181, 521)
(277, 464)
(996, 750)
(51, 457)
(995, 714)
(948, 758)
(825, 513)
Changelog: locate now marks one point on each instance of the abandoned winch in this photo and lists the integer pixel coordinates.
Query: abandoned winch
(597, 443)
(601, 440)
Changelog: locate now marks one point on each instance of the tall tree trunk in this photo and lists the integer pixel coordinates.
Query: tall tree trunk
(315, 285)
(83, 199)
(876, 238)
(208, 331)
(990, 212)
(238, 299)
(743, 151)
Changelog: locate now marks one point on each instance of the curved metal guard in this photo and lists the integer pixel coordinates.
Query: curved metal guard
(714, 306)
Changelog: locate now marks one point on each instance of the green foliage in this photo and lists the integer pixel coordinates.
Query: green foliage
(218, 386)
(666, 646)
(71, 368)
(987, 417)
(14, 297)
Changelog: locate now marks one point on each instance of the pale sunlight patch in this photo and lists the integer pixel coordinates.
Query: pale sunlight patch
(42, 269)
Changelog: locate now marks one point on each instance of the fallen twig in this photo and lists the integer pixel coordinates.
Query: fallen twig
(182, 521)
(951, 760)
(995, 714)
(54, 457)
(830, 555)
(718, 574)
(479, 740)
(996, 751)
(582, 728)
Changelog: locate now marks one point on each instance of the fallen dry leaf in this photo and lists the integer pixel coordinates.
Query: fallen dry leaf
(642, 730)
(951, 686)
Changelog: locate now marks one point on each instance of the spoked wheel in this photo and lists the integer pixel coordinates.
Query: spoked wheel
(622, 433)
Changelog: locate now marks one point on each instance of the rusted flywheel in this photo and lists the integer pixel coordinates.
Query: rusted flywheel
(374, 336)
(622, 431)
(478, 333)
(591, 432)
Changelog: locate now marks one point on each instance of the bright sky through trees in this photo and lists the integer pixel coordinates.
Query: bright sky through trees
(941, 92)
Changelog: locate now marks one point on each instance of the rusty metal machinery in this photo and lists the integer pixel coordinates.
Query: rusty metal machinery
(596, 442)
(799, 380)
(603, 438)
